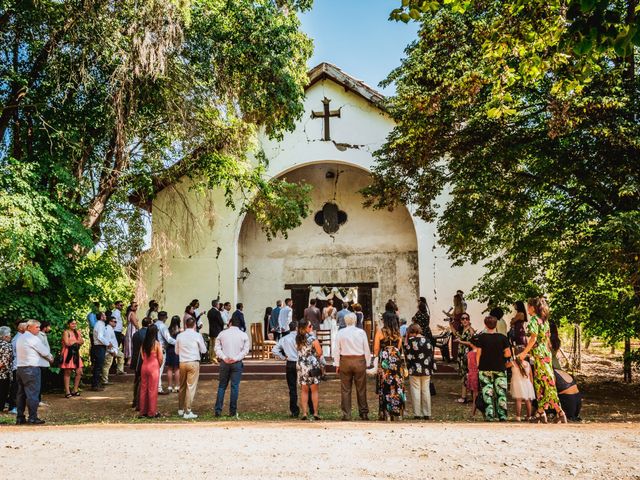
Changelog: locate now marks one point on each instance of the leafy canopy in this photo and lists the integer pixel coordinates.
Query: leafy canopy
(103, 103)
(545, 191)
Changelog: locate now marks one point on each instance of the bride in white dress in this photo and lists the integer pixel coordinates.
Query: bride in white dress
(329, 323)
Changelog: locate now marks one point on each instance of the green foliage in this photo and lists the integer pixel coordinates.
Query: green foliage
(543, 187)
(104, 103)
(529, 38)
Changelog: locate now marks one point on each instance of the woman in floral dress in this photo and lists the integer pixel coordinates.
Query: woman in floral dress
(543, 376)
(309, 372)
(464, 342)
(387, 346)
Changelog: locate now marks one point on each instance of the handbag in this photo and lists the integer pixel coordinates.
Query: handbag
(315, 372)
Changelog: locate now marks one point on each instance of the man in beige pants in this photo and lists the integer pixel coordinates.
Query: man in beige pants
(189, 347)
(351, 357)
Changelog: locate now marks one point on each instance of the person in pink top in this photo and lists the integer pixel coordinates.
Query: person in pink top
(151, 361)
(71, 359)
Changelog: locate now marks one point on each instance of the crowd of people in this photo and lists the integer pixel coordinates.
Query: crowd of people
(520, 355)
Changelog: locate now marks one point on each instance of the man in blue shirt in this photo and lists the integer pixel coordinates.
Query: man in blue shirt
(273, 321)
(92, 318)
(341, 314)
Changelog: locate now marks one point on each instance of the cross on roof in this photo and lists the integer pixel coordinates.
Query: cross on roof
(326, 114)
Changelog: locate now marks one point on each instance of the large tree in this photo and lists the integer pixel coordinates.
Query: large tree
(106, 101)
(542, 166)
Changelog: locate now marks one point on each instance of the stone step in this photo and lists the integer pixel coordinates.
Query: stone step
(265, 370)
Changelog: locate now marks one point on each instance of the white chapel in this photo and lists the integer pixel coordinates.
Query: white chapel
(203, 249)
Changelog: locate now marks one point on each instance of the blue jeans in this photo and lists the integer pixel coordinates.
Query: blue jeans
(233, 372)
(28, 392)
(99, 352)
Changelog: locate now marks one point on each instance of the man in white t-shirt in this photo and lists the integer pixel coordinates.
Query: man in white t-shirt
(286, 316)
(113, 352)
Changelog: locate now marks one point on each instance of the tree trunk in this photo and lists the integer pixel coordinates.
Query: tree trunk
(627, 360)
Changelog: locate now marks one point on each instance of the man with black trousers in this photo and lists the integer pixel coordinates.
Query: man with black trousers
(100, 345)
(286, 349)
(216, 325)
(240, 316)
(136, 359)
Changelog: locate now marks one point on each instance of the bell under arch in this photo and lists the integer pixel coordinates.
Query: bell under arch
(339, 243)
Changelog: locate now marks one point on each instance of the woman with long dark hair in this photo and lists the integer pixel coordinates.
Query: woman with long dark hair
(151, 361)
(387, 346)
(71, 359)
(518, 331)
(309, 372)
(543, 376)
(423, 319)
(172, 363)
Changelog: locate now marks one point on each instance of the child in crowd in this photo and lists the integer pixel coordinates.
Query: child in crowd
(522, 385)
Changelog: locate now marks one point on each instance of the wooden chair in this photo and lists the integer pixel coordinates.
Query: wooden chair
(259, 346)
(324, 337)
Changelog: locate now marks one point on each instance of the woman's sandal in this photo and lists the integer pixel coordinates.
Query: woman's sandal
(68, 395)
(462, 400)
(76, 393)
(539, 418)
(561, 417)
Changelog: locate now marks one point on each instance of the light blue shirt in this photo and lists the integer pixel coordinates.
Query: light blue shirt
(92, 319)
(286, 348)
(340, 317)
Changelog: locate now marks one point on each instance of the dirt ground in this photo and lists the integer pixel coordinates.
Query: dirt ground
(322, 450)
(99, 436)
(268, 400)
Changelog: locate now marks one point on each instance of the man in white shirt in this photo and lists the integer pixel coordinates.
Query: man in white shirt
(189, 347)
(352, 355)
(100, 345)
(30, 352)
(286, 316)
(232, 345)
(165, 338)
(226, 313)
(117, 313)
(112, 352)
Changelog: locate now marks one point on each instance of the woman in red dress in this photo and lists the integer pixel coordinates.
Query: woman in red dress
(71, 360)
(151, 355)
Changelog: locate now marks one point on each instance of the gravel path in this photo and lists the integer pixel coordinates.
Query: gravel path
(327, 451)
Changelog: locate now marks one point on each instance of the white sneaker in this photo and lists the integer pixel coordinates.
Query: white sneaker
(180, 413)
(190, 416)
(13, 411)
(42, 404)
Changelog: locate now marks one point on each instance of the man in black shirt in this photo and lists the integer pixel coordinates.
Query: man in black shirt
(492, 350)
(216, 325)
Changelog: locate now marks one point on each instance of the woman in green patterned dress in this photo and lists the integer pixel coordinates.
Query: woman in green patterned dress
(543, 377)
(464, 341)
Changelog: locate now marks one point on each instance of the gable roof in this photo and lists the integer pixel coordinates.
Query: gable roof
(329, 71)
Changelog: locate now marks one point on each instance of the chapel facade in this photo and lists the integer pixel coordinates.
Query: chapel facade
(203, 249)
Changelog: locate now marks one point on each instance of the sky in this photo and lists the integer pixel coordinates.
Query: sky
(356, 36)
